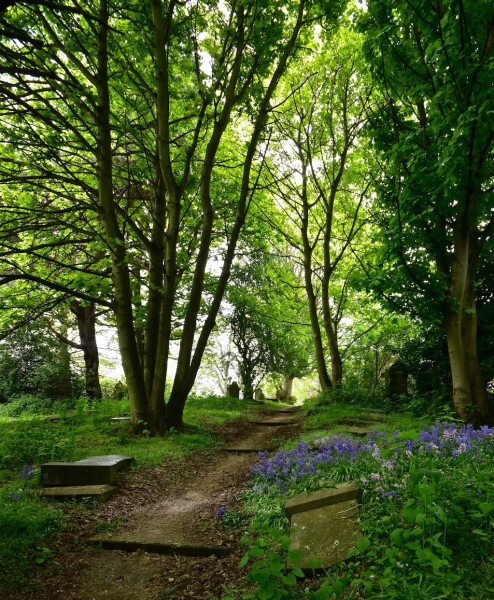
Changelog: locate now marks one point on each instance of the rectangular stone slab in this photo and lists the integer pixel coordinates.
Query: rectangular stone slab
(57, 474)
(327, 533)
(242, 449)
(111, 459)
(119, 419)
(357, 421)
(359, 430)
(131, 544)
(320, 498)
(274, 423)
(101, 493)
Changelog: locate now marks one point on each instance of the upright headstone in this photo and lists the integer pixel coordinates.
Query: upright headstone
(259, 395)
(397, 379)
(233, 391)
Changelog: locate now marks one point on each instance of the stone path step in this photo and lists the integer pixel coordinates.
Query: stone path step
(243, 449)
(101, 493)
(276, 422)
(287, 409)
(159, 547)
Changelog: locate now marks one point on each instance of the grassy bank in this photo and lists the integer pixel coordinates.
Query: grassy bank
(427, 510)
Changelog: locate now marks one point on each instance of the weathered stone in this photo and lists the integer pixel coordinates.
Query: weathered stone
(101, 493)
(119, 419)
(340, 493)
(54, 418)
(359, 430)
(119, 460)
(56, 474)
(326, 533)
(243, 449)
(131, 543)
(233, 391)
(356, 421)
(275, 422)
(259, 395)
(287, 409)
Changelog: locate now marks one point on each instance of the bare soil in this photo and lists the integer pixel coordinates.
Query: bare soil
(178, 500)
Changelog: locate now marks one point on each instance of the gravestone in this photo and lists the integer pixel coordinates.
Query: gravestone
(233, 391)
(325, 525)
(259, 395)
(397, 379)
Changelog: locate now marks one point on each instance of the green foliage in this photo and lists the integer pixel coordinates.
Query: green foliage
(25, 522)
(32, 364)
(34, 442)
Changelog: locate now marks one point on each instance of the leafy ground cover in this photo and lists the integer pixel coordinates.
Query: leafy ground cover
(427, 512)
(28, 439)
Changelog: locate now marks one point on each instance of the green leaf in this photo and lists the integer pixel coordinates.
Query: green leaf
(362, 544)
(294, 556)
(243, 561)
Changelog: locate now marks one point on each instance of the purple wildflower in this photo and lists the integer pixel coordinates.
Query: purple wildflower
(26, 473)
(14, 496)
(221, 511)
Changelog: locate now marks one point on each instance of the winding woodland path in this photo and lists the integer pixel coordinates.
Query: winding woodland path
(165, 523)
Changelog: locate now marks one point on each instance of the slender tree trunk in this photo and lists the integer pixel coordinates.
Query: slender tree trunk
(322, 371)
(460, 322)
(86, 324)
(114, 238)
(286, 390)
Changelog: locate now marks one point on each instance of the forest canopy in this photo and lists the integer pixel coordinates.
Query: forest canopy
(312, 180)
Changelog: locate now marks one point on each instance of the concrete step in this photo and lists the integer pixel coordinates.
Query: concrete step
(276, 422)
(131, 543)
(101, 493)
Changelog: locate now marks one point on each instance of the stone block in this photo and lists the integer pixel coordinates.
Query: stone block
(360, 431)
(243, 449)
(274, 423)
(326, 533)
(287, 409)
(341, 493)
(119, 460)
(119, 419)
(101, 493)
(132, 542)
(356, 421)
(56, 474)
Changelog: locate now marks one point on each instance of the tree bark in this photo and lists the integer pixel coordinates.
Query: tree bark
(114, 238)
(86, 322)
(286, 390)
(470, 398)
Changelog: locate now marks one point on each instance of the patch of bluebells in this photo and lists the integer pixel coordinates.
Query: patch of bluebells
(14, 496)
(442, 440)
(26, 473)
(288, 467)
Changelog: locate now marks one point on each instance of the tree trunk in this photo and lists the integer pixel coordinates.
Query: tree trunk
(470, 398)
(286, 390)
(86, 322)
(114, 238)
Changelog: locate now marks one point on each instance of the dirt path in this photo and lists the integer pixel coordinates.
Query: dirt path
(154, 510)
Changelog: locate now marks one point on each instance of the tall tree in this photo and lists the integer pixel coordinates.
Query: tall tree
(433, 62)
(141, 157)
(319, 179)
